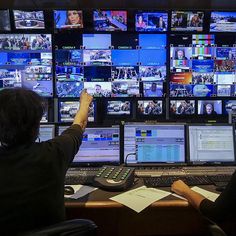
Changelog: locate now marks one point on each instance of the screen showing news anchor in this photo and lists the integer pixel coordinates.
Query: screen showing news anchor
(5, 20)
(210, 107)
(68, 19)
(187, 21)
(110, 20)
(151, 21)
(29, 19)
(223, 22)
(182, 107)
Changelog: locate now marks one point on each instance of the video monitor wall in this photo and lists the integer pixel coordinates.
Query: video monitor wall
(202, 73)
(110, 66)
(26, 61)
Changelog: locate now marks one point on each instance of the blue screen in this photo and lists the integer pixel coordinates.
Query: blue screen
(97, 41)
(152, 41)
(125, 57)
(152, 57)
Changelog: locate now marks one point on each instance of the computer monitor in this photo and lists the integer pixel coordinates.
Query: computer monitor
(46, 132)
(211, 144)
(100, 145)
(154, 143)
(29, 19)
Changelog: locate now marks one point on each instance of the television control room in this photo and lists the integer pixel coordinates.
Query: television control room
(118, 118)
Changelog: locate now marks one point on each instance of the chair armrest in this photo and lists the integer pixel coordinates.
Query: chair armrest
(76, 227)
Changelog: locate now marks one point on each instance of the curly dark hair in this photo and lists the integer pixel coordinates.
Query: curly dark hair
(20, 113)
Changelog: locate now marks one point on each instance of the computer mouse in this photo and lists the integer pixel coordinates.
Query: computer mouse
(68, 190)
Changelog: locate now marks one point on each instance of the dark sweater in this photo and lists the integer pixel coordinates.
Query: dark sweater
(32, 182)
(224, 208)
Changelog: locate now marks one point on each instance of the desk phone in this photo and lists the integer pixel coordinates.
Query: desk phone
(114, 178)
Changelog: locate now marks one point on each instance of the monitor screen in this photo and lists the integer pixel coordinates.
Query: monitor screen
(187, 21)
(118, 108)
(99, 145)
(26, 61)
(209, 107)
(182, 107)
(149, 108)
(110, 20)
(151, 21)
(96, 41)
(68, 19)
(29, 19)
(68, 110)
(211, 143)
(5, 24)
(154, 143)
(223, 21)
(46, 132)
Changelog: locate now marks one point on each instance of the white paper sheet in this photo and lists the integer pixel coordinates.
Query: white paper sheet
(80, 191)
(140, 198)
(207, 194)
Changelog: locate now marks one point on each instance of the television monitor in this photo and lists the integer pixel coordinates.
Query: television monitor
(155, 57)
(211, 144)
(120, 73)
(229, 105)
(154, 143)
(29, 19)
(209, 107)
(69, 57)
(152, 89)
(152, 41)
(68, 19)
(223, 21)
(69, 89)
(100, 145)
(26, 61)
(5, 24)
(97, 73)
(182, 107)
(110, 20)
(98, 89)
(151, 21)
(130, 41)
(96, 41)
(125, 57)
(97, 57)
(118, 108)
(69, 73)
(126, 88)
(68, 110)
(149, 108)
(187, 21)
(46, 132)
(152, 73)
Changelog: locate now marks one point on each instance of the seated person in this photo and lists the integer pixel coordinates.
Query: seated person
(32, 174)
(224, 207)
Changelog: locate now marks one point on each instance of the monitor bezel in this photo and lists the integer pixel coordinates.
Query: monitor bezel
(210, 163)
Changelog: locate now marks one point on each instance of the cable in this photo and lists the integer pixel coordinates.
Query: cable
(125, 161)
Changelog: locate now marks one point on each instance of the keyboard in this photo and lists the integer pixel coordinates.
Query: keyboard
(220, 178)
(83, 176)
(166, 181)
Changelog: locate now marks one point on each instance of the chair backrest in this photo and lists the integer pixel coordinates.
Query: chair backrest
(213, 228)
(76, 227)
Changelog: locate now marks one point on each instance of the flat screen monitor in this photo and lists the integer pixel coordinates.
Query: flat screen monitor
(68, 19)
(100, 145)
(29, 19)
(26, 61)
(118, 108)
(151, 21)
(46, 132)
(110, 20)
(68, 110)
(154, 143)
(149, 108)
(5, 24)
(211, 144)
(223, 21)
(187, 21)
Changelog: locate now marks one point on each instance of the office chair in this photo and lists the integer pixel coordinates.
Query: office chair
(76, 227)
(213, 228)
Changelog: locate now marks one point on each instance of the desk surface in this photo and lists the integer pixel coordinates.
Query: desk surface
(169, 216)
